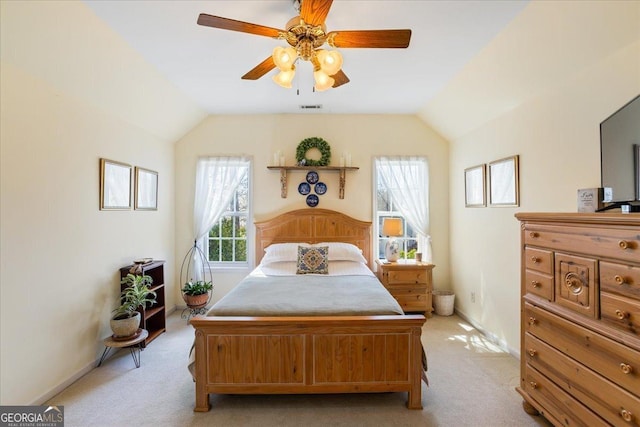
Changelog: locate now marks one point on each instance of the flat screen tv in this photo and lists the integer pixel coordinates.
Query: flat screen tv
(620, 152)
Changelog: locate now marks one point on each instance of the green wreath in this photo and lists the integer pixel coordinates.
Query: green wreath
(309, 143)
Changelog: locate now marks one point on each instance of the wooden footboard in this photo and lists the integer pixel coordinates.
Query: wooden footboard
(291, 355)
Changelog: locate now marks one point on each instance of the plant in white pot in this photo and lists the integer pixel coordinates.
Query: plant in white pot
(196, 293)
(126, 320)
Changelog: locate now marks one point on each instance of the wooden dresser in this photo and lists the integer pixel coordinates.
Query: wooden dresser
(580, 315)
(409, 282)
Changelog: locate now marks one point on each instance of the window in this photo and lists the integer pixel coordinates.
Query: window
(227, 242)
(402, 191)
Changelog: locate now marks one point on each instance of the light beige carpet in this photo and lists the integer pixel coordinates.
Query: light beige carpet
(471, 384)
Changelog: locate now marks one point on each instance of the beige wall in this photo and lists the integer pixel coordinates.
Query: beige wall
(71, 93)
(363, 136)
(554, 129)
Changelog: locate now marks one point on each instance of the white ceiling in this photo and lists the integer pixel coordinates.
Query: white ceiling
(206, 63)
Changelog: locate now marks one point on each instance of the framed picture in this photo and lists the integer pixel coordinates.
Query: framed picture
(504, 182)
(115, 185)
(146, 194)
(474, 187)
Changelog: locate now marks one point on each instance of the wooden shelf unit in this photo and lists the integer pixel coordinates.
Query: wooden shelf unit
(153, 318)
(285, 169)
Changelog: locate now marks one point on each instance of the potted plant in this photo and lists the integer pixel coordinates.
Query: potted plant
(196, 293)
(126, 320)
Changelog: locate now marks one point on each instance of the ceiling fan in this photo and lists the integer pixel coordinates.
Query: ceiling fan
(306, 34)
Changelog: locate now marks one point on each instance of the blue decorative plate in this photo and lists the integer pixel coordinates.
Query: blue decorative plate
(312, 200)
(320, 188)
(312, 177)
(304, 188)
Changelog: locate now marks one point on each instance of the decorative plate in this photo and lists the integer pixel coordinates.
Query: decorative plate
(320, 188)
(312, 200)
(304, 188)
(312, 177)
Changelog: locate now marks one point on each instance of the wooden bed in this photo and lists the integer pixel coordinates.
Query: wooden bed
(302, 355)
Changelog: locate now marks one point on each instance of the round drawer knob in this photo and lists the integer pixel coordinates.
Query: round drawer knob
(532, 321)
(534, 260)
(626, 415)
(532, 352)
(535, 284)
(533, 234)
(533, 384)
(626, 368)
(619, 279)
(621, 314)
(623, 244)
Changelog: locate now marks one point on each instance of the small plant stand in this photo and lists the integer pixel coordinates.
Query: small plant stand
(189, 312)
(188, 271)
(134, 345)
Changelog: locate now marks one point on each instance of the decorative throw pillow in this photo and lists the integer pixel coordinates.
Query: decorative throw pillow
(313, 260)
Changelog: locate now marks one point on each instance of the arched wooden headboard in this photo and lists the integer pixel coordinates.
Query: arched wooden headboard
(313, 226)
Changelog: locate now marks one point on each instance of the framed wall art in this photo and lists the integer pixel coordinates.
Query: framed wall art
(504, 182)
(115, 185)
(146, 189)
(474, 187)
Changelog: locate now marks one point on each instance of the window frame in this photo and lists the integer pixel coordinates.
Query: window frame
(236, 265)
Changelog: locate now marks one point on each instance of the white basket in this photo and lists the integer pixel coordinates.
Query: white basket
(443, 302)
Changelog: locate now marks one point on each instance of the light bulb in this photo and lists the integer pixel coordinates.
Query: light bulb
(284, 78)
(323, 81)
(284, 57)
(330, 61)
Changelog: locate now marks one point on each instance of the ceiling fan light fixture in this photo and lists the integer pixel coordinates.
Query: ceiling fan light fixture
(330, 61)
(323, 81)
(284, 57)
(284, 78)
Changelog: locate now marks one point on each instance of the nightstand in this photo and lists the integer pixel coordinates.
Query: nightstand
(409, 282)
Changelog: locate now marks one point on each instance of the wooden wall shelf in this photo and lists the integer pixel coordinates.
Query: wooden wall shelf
(285, 169)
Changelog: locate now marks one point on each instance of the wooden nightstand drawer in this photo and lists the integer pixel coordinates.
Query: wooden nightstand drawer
(407, 276)
(538, 260)
(621, 312)
(620, 279)
(612, 360)
(539, 284)
(597, 393)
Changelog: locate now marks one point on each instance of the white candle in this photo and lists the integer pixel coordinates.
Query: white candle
(276, 158)
(341, 162)
(349, 159)
(282, 159)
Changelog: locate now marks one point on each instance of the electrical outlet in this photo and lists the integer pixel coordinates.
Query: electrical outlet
(473, 297)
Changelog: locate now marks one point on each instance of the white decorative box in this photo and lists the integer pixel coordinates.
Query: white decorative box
(592, 199)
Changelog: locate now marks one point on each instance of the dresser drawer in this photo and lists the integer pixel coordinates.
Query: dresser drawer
(620, 279)
(619, 243)
(557, 404)
(539, 284)
(410, 298)
(538, 260)
(621, 312)
(407, 276)
(609, 358)
(609, 401)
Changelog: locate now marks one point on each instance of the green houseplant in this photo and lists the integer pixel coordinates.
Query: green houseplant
(126, 319)
(196, 293)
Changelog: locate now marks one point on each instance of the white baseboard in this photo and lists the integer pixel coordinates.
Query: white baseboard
(75, 377)
(491, 337)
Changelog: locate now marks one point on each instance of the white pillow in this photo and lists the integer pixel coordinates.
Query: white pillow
(288, 252)
(340, 251)
(282, 252)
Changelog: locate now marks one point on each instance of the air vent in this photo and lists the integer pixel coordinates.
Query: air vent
(311, 107)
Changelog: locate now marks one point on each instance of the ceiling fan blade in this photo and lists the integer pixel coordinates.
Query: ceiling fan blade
(370, 38)
(340, 79)
(233, 25)
(260, 70)
(314, 12)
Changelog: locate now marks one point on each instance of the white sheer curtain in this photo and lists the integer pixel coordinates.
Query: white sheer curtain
(216, 181)
(407, 180)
